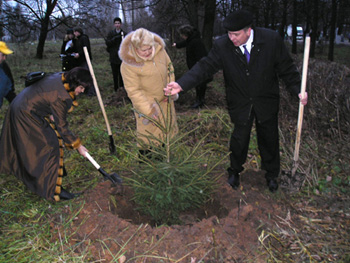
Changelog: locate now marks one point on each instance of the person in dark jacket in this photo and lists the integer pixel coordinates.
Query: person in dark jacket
(83, 41)
(68, 50)
(36, 129)
(252, 89)
(195, 50)
(113, 40)
(7, 86)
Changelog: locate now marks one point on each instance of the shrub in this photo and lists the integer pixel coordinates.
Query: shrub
(172, 177)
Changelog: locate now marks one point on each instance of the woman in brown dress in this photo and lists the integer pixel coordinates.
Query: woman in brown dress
(35, 127)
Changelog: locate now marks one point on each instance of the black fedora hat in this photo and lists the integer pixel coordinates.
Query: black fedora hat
(238, 20)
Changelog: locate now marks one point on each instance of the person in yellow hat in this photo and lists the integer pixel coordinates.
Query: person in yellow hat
(7, 86)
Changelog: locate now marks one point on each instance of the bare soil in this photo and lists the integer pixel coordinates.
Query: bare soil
(226, 229)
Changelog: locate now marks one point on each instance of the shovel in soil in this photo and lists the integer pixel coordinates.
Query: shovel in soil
(293, 180)
(98, 94)
(113, 177)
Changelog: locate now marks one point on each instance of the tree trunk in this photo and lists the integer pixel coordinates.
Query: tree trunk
(283, 25)
(208, 25)
(44, 28)
(294, 26)
(272, 7)
(332, 33)
(341, 16)
(314, 29)
(123, 12)
(42, 39)
(192, 7)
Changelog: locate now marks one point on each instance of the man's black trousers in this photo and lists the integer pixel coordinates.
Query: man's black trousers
(268, 144)
(117, 76)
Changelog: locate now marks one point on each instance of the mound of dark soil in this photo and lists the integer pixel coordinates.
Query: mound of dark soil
(226, 229)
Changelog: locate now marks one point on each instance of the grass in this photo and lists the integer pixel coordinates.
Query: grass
(28, 223)
(341, 52)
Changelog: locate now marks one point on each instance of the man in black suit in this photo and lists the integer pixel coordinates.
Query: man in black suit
(113, 40)
(252, 60)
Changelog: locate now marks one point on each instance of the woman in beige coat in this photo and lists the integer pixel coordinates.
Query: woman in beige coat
(146, 70)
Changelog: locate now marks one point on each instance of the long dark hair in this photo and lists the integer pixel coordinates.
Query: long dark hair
(186, 30)
(79, 76)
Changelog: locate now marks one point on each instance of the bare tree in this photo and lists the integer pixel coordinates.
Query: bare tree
(95, 17)
(294, 25)
(15, 23)
(332, 33)
(47, 15)
(163, 16)
(208, 24)
(342, 13)
(41, 12)
(314, 28)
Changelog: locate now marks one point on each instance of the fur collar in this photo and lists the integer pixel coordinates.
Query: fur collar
(127, 53)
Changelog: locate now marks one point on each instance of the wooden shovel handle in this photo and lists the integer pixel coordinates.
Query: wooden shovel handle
(301, 106)
(97, 90)
(92, 160)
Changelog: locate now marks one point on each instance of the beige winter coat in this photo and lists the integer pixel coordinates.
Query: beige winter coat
(144, 82)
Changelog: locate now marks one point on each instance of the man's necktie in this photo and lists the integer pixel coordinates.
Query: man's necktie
(246, 53)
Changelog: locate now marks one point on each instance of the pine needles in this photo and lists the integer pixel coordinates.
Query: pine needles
(172, 177)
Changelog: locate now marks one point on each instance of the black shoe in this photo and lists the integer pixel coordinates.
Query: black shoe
(197, 105)
(273, 185)
(65, 195)
(233, 179)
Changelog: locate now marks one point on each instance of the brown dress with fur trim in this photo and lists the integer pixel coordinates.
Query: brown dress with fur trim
(29, 147)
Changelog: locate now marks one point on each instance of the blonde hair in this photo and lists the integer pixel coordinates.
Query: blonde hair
(142, 37)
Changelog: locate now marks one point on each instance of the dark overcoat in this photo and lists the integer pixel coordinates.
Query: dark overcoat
(83, 41)
(11, 95)
(248, 86)
(113, 41)
(69, 62)
(195, 48)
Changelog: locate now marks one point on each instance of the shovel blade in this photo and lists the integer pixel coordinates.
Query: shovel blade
(114, 178)
(292, 181)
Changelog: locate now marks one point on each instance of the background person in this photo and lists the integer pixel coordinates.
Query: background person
(30, 148)
(7, 86)
(146, 69)
(252, 89)
(83, 41)
(195, 50)
(68, 50)
(113, 41)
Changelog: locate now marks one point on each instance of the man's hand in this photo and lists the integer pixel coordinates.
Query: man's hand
(172, 88)
(304, 99)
